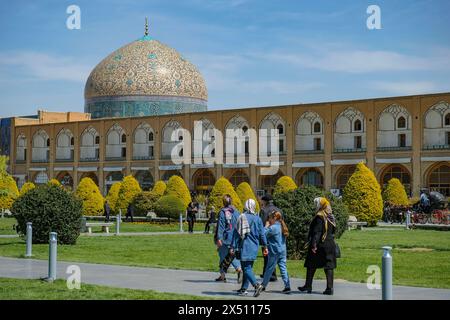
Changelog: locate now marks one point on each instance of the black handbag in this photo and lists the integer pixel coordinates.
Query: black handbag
(338, 251)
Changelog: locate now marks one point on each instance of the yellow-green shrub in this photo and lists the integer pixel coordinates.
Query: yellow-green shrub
(129, 189)
(177, 187)
(362, 195)
(8, 191)
(27, 187)
(222, 187)
(284, 184)
(113, 197)
(91, 197)
(55, 182)
(245, 192)
(159, 188)
(395, 193)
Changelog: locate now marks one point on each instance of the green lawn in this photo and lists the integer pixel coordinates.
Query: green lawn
(19, 289)
(6, 226)
(421, 257)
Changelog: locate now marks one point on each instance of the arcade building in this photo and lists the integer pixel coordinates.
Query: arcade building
(140, 94)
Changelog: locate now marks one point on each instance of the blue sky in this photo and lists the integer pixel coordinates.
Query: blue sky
(251, 52)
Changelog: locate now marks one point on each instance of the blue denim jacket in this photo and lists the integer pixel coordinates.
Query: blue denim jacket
(249, 246)
(275, 239)
(225, 231)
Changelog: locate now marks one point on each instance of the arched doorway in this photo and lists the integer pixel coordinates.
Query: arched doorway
(145, 180)
(439, 179)
(41, 178)
(310, 177)
(268, 182)
(166, 176)
(65, 179)
(111, 178)
(343, 175)
(399, 172)
(91, 175)
(238, 176)
(203, 181)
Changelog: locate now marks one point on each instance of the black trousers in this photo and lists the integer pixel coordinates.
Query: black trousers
(207, 226)
(129, 216)
(191, 225)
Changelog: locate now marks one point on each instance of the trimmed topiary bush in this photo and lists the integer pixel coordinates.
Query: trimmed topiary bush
(170, 206)
(298, 210)
(222, 187)
(113, 197)
(284, 184)
(159, 188)
(129, 189)
(27, 187)
(55, 182)
(245, 192)
(145, 202)
(91, 197)
(362, 195)
(50, 209)
(395, 193)
(8, 191)
(177, 187)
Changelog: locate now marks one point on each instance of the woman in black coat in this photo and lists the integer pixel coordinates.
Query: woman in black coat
(321, 246)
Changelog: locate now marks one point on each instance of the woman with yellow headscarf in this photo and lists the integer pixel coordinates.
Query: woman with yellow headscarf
(321, 246)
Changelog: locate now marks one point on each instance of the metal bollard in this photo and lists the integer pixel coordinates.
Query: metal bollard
(29, 239)
(52, 256)
(181, 222)
(386, 274)
(118, 224)
(408, 219)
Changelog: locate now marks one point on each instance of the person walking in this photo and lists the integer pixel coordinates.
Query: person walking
(224, 236)
(191, 216)
(321, 246)
(211, 219)
(107, 210)
(250, 235)
(267, 208)
(276, 232)
(130, 212)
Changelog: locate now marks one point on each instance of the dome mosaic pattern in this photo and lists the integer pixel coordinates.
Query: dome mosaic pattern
(143, 78)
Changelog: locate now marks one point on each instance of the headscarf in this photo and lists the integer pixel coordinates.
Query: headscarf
(325, 212)
(250, 206)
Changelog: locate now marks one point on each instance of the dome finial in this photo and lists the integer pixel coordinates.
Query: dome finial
(146, 27)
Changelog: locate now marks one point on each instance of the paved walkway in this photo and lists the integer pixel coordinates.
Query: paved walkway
(199, 283)
(124, 234)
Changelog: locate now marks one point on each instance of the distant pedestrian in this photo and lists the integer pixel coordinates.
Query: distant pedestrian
(267, 208)
(276, 233)
(191, 216)
(130, 212)
(250, 235)
(107, 209)
(211, 219)
(321, 246)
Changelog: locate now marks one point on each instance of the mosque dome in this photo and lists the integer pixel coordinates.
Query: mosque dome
(144, 78)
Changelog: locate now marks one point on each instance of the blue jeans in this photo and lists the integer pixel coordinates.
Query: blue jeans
(223, 251)
(249, 276)
(272, 262)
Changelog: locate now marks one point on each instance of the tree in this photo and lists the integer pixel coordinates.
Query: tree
(222, 187)
(245, 192)
(113, 197)
(159, 188)
(362, 195)
(177, 187)
(8, 187)
(27, 187)
(50, 209)
(395, 193)
(298, 210)
(170, 206)
(284, 184)
(129, 189)
(91, 197)
(145, 202)
(55, 182)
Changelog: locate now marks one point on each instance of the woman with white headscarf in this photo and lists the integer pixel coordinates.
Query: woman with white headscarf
(249, 236)
(321, 246)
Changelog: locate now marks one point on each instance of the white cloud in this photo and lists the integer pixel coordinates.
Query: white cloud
(406, 87)
(42, 66)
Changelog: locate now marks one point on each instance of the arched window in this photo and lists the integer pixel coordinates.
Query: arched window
(280, 129)
(124, 138)
(317, 128)
(245, 128)
(268, 182)
(439, 180)
(97, 140)
(89, 145)
(204, 180)
(399, 172)
(72, 141)
(401, 123)
(310, 177)
(150, 136)
(343, 175)
(145, 180)
(48, 142)
(357, 125)
(447, 119)
(41, 178)
(238, 177)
